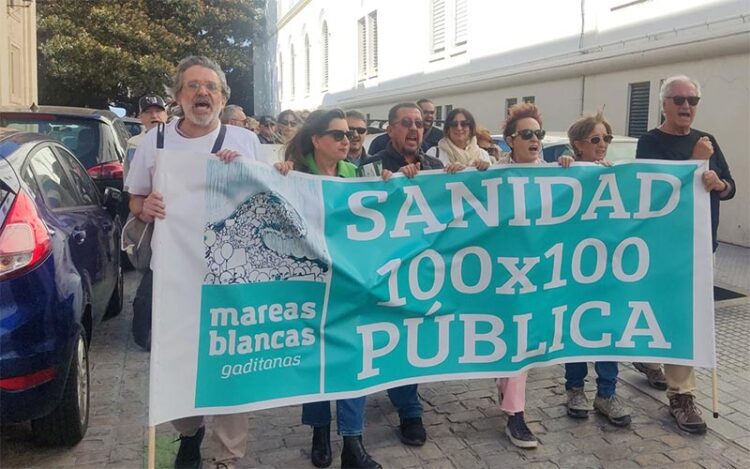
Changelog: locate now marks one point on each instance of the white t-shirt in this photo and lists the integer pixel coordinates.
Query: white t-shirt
(141, 172)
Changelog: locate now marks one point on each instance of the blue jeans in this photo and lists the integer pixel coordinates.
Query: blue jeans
(606, 377)
(350, 415)
(406, 400)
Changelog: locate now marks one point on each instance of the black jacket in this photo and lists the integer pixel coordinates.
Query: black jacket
(393, 160)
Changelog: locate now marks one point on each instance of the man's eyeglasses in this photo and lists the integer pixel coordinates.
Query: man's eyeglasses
(596, 139)
(194, 86)
(338, 135)
(288, 123)
(527, 134)
(680, 100)
(457, 124)
(407, 123)
(359, 130)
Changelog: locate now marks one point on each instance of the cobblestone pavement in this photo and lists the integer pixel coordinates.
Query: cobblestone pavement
(464, 423)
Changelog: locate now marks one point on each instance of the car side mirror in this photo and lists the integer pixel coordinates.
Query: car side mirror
(112, 200)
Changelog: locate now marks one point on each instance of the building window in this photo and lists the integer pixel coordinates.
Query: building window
(438, 113)
(638, 98)
(307, 65)
(367, 46)
(324, 55)
(293, 74)
(529, 99)
(438, 26)
(448, 109)
(450, 27)
(460, 23)
(509, 103)
(372, 44)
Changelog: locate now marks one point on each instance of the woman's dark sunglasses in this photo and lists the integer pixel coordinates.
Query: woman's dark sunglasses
(338, 135)
(457, 124)
(596, 139)
(526, 134)
(680, 100)
(288, 123)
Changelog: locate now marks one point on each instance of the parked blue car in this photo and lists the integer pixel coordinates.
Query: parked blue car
(59, 276)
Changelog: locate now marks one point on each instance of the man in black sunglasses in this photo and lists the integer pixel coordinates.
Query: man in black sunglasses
(357, 123)
(675, 139)
(431, 135)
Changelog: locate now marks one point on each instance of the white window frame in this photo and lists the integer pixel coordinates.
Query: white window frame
(452, 37)
(367, 46)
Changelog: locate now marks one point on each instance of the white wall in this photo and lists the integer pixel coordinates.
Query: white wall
(567, 59)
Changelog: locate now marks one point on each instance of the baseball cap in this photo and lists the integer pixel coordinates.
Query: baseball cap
(151, 100)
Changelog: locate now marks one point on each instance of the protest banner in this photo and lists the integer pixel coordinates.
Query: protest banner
(272, 290)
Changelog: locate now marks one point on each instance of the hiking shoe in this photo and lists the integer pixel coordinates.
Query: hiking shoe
(655, 376)
(578, 403)
(686, 414)
(612, 408)
(412, 432)
(519, 434)
(189, 454)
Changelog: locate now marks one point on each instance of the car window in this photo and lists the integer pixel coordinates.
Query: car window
(86, 188)
(56, 189)
(81, 136)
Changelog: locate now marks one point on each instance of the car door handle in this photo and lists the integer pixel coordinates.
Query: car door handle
(79, 235)
(107, 226)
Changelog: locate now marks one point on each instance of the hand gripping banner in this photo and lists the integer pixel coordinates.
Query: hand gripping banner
(272, 290)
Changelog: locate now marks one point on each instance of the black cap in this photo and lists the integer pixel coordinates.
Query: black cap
(151, 100)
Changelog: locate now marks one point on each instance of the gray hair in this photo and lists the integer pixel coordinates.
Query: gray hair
(202, 61)
(666, 87)
(356, 114)
(228, 113)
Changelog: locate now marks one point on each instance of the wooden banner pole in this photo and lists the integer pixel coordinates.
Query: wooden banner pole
(151, 447)
(715, 388)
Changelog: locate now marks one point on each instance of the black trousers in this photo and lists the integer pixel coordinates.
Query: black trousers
(142, 311)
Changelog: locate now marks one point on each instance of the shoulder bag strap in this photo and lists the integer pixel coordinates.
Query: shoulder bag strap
(160, 136)
(219, 139)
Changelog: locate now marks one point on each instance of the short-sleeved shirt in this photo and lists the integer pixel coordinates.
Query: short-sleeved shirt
(141, 173)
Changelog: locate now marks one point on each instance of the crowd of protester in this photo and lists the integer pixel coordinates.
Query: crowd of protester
(330, 142)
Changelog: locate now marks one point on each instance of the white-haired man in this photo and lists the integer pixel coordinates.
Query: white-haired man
(675, 139)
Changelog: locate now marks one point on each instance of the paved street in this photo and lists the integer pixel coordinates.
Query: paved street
(464, 423)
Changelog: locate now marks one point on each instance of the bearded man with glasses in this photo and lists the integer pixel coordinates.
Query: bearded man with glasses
(675, 139)
(358, 126)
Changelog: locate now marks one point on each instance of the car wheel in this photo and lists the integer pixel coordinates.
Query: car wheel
(114, 307)
(67, 424)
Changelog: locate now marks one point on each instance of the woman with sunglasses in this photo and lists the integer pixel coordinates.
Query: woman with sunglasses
(320, 147)
(524, 134)
(287, 125)
(459, 145)
(590, 136)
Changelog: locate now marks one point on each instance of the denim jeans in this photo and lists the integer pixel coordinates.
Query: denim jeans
(406, 400)
(606, 377)
(350, 415)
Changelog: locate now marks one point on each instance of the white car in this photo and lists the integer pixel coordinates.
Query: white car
(556, 144)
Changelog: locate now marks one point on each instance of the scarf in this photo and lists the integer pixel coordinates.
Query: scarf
(459, 155)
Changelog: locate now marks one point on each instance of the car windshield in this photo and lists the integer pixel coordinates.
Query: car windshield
(81, 136)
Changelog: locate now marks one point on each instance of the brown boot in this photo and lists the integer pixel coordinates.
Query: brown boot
(686, 414)
(655, 376)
